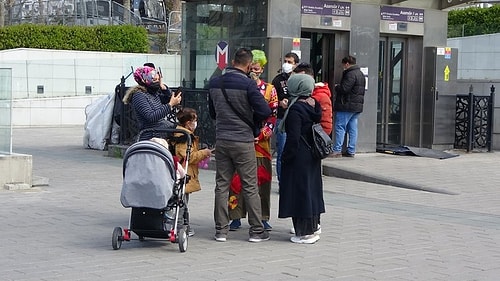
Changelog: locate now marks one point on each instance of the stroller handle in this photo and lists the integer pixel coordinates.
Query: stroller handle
(167, 132)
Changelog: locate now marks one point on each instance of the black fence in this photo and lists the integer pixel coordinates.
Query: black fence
(474, 121)
(124, 116)
(198, 100)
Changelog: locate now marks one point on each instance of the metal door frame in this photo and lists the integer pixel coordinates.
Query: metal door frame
(322, 56)
(387, 64)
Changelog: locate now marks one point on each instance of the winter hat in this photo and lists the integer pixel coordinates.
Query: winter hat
(144, 75)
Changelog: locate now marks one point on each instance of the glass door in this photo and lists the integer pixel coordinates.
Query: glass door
(322, 55)
(390, 90)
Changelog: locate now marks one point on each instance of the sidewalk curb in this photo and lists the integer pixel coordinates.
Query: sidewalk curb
(332, 171)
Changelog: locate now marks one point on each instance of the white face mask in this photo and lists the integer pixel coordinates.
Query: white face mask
(195, 124)
(287, 67)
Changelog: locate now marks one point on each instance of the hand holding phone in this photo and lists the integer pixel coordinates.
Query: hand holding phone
(176, 98)
(178, 92)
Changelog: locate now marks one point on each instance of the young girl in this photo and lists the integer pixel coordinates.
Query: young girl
(187, 119)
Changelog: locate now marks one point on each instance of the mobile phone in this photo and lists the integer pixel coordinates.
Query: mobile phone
(159, 72)
(179, 90)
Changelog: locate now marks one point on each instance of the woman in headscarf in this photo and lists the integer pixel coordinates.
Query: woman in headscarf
(301, 185)
(149, 110)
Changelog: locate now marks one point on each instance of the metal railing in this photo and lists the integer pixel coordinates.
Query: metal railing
(174, 32)
(70, 12)
(474, 121)
(197, 99)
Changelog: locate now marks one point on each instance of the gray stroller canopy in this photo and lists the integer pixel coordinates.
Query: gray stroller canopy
(149, 176)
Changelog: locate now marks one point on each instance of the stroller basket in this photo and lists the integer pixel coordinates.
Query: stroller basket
(147, 222)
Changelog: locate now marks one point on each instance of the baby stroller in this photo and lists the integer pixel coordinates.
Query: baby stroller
(154, 190)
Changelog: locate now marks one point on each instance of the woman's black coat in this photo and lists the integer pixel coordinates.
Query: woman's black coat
(301, 186)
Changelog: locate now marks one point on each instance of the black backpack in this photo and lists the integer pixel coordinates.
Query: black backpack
(322, 143)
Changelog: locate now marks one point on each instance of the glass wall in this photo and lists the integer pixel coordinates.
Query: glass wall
(5, 111)
(239, 23)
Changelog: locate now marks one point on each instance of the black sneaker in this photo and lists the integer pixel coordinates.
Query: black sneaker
(259, 237)
(220, 237)
(190, 232)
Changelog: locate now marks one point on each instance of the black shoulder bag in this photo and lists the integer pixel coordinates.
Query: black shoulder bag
(322, 143)
(255, 129)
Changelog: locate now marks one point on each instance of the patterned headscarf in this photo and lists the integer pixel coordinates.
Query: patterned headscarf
(299, 85)
(144, 75)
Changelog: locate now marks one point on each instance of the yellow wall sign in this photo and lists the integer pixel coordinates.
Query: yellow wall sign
(446, 74)
(296, 43)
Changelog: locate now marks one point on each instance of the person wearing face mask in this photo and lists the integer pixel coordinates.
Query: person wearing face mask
(262, 145)
(165, 94)
(280, 83)
(188, 121)
(144, 98)
(235, 138)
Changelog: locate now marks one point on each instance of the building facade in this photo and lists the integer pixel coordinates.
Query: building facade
(395, 43)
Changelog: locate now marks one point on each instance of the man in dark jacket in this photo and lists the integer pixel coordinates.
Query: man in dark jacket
(348, 105)
(279, 82)
(234, 149)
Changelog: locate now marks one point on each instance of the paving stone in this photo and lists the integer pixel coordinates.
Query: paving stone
(369, 232)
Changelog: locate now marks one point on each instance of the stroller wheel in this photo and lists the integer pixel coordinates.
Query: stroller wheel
(117, 238)
(182, 239)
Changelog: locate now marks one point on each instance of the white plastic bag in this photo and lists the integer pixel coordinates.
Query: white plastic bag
(98, 122)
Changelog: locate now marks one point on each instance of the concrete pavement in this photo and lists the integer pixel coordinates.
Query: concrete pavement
(370, 231)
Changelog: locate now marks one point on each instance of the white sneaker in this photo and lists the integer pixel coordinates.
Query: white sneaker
(317, 232)
(306, 239)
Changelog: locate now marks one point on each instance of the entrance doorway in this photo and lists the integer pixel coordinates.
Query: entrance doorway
(322, 55)
(391, 82)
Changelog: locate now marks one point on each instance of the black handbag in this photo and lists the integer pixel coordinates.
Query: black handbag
(322, 143)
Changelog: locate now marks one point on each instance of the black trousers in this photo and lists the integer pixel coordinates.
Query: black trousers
(305, 226)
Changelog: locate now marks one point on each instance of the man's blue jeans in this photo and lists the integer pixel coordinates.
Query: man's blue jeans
(346, 122)
(280, 144)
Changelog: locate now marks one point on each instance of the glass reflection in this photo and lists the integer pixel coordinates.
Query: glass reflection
(5, 111)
